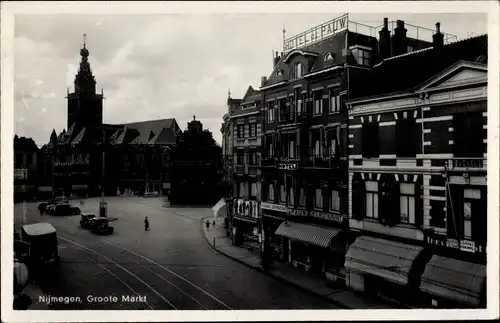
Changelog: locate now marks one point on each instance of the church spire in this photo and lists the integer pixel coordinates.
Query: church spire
(84, 81)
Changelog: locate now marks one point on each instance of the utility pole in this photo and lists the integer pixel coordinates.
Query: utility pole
(102, 206)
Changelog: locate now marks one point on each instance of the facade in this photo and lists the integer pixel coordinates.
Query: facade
(196, 167)
(94, 158)
(305, 139)
(25, 168)
(245, 121)
(417, 177)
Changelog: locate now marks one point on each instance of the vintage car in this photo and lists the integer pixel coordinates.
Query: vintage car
(86, 220)
(65, 209)
(43, 206)
(101, 226)
(44, 246)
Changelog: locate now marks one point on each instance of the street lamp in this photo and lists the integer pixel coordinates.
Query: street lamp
(102, 204)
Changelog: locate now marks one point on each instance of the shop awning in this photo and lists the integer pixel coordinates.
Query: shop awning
(316, 235)
(454, 279)
(383, 258)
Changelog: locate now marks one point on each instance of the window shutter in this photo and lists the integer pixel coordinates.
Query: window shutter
(419, 205)
(358, 199)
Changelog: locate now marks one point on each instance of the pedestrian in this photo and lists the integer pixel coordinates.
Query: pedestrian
(213, 223)
(146, 224)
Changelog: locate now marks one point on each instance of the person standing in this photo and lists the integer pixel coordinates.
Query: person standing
(146, 224)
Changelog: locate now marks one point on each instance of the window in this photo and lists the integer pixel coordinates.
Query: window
(370, 143)
(240, 131)
(328, 57)
(279, 72)
(371, 199)
(335, 201)
(291, 149)
(270, 112)
(318, 104)
(291, 196)
(253, 189)
(333, 147)
(282, 194)
(253, 130)
(471, 197)
(270, 150)
(407, 203)
(409, 48)
(252, 158)
(300, 105)
(318, 199)
(407, 133)
(362, 56)
(270, 192)
(334, 102)
(242, 190)
(298, 70)
(317, 148)
(240, 157)
(468, 134)
(302, 197)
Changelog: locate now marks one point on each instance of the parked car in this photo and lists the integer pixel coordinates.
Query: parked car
(87, 220)
(65, 209)
(101, 226)
(43, 206)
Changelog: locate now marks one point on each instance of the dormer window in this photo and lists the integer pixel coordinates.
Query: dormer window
(279, 72)
(328, 57)
(362, 54)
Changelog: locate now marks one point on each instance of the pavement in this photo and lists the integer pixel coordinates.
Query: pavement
(216, 237)
(168, 267)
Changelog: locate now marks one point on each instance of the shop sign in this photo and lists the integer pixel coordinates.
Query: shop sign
(287, 166)
(273, 207)
(327, 216)
(297, 212)
(468, 163)
(20, 173)
(463, 245)
(316, 33)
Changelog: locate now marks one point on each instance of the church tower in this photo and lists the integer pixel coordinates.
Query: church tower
(84, 104)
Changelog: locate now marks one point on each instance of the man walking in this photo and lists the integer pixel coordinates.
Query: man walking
(146, 224)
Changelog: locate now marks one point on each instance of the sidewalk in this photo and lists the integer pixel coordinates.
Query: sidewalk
(217, 239)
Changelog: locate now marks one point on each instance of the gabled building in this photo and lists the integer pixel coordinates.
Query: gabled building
(305, 137)
(92, 157)
(417, 177)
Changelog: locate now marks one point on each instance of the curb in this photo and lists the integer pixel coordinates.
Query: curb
(281, 279)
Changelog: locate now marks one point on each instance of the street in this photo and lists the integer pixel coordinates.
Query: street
(169, 267)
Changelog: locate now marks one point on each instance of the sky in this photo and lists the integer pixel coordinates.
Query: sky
(164, 65)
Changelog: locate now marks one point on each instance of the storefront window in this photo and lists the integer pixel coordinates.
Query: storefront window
(302, 197)
(270, 192)
(282, 194)
(335, 201)
(291, 197)
(318, 199)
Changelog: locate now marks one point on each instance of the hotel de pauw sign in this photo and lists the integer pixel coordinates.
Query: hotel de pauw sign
(316, 33)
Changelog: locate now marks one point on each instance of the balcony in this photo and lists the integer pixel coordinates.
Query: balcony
(321, 161)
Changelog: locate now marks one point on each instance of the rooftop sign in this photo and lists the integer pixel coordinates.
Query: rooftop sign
(317, 33)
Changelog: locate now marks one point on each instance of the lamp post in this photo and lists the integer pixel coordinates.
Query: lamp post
(102, 204)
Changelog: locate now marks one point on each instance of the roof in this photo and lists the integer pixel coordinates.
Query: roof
(251, 96)
(147, 130)
(405, 72)
(38, 229)
(315, 53)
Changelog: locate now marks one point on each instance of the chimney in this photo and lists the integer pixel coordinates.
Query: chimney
(438, 37)
(276, 59)
(385, 40)
(399, 39)
(263, 81)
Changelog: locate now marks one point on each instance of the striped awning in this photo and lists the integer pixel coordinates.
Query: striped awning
(316, 235)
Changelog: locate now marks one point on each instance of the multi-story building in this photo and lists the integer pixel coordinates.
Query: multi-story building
(25, 168)
(304, 141)
(245, 120)
(417, 177)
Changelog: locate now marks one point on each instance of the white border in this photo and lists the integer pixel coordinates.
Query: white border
(9, 9)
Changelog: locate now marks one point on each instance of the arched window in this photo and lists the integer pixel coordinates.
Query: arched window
(328, 57)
